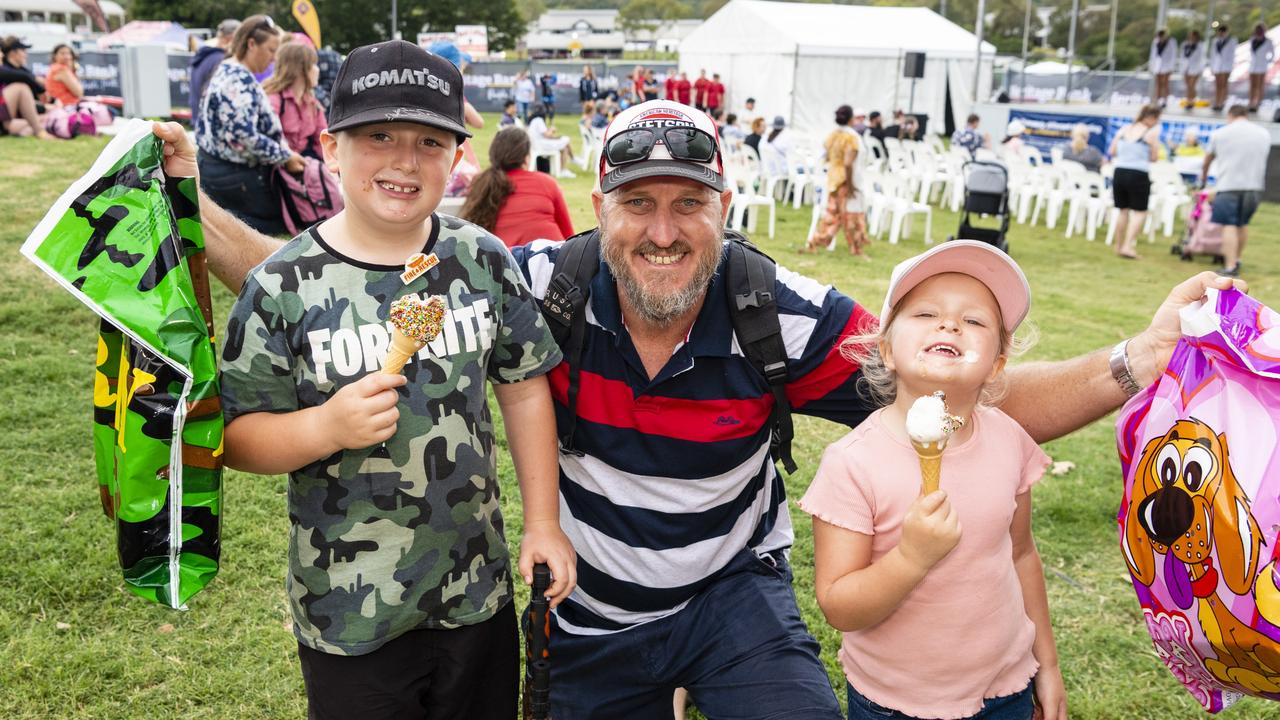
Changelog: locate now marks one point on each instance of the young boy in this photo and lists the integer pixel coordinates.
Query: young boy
(508, 118)
(399, 578)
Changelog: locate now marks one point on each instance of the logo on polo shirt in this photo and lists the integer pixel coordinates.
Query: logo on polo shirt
(408, 76)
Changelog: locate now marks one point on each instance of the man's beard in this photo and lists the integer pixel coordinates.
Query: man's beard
(655, 303)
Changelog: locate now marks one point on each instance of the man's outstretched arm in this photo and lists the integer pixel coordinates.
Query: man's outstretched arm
(232, 248)
(1051, 399)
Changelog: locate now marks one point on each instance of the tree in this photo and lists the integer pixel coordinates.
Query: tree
(346, 24)
(648, 15)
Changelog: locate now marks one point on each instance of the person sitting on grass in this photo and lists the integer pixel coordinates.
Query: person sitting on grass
(19, 89)
(397, 562)
(62, 83)
(909, 575)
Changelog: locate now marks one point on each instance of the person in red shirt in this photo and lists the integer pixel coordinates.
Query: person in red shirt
(715, 92)
(700, 87)
(683, 88)
(637, 83)
(669, 87)
(513, 203)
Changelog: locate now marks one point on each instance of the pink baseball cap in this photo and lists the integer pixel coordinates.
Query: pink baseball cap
(661, 138)
(978, 260)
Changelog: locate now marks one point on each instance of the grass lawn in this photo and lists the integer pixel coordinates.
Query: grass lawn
(75, 644)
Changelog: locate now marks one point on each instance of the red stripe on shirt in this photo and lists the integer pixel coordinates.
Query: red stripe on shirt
(835, 369)
(611, 402)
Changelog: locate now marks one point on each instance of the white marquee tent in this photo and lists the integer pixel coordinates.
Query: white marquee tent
(802, 60)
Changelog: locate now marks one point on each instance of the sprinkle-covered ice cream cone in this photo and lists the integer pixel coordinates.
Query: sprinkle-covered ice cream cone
(930, 427)
(414, 324)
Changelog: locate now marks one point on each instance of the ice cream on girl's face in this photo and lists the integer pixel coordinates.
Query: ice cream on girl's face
(945, 334)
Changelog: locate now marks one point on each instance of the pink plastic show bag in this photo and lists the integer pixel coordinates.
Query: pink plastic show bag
(1201, 507)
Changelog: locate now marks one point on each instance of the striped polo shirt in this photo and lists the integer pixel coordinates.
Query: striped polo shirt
(675, 475)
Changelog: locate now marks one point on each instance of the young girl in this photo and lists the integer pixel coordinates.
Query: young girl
(291, 90)
(941, 598)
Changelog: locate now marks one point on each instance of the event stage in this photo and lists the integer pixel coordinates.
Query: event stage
(1049, 124)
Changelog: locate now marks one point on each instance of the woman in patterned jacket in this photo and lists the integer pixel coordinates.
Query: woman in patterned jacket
(239, 135)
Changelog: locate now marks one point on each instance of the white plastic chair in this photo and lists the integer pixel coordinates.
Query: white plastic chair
(747, 198)
(1087, 205)
(899, 206)
(744, 174)
(591, 146)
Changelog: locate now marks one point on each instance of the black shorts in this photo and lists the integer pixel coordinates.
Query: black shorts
(469, 672)
(1131, 189)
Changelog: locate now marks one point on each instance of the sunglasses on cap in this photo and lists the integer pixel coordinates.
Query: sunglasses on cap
(682, 143)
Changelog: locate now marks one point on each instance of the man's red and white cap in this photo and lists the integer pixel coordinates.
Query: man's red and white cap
(658, 115)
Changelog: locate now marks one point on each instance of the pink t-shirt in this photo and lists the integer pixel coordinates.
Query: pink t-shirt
(962, 634)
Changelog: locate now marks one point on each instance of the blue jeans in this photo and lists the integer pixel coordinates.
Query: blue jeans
(739, 647)
(247, 192)
(1017, 706)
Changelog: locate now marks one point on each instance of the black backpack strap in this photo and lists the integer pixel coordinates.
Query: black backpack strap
(753, 305)
(564, 308)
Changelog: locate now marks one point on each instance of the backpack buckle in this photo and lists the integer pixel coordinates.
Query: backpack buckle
(775, 373)
(755, 298)
(561, 298)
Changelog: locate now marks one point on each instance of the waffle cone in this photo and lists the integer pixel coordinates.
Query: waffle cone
(930, 455)
(402, 348)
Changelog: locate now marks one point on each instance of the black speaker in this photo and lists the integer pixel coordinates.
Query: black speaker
(913, 65)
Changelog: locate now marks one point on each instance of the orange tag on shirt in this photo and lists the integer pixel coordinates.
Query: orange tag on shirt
(417, 265)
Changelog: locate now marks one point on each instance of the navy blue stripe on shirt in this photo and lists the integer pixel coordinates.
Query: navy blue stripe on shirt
(632, 596)
(655, 530)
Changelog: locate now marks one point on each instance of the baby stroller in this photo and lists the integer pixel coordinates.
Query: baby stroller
(986, 192)
(1203, 236)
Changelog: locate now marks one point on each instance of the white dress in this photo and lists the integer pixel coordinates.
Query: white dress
(1164, 61)
(1192, 55)
(1260, 57)
(1222, 55)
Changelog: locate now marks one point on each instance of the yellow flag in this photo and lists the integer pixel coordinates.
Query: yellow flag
(307, 17)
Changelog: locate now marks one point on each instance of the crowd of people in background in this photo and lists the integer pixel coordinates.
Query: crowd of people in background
(260, 96)
(1238, 150)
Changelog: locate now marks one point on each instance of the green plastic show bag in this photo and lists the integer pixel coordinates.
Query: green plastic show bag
(126, 241)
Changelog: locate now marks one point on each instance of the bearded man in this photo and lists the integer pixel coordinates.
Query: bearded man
(670, 495)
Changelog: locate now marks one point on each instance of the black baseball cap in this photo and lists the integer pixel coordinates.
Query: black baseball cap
(397, 81)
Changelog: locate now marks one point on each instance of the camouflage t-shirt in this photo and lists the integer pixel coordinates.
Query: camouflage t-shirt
(407, 534)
